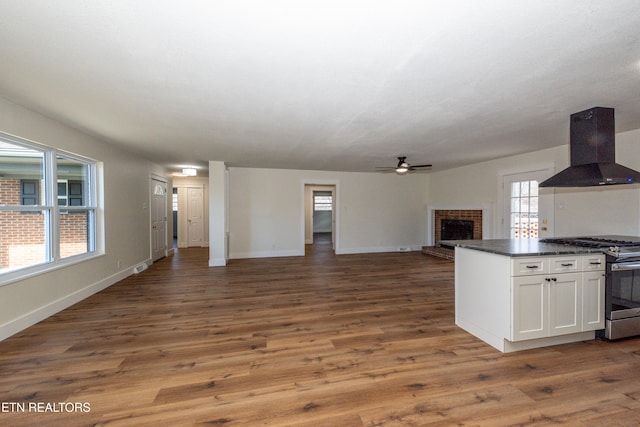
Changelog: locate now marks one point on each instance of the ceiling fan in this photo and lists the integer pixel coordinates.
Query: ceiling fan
(403, 167)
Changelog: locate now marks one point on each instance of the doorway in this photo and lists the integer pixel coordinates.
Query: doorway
(190, 215)
(320, 217)
(195, 214)
(528, 211)
(158, 218)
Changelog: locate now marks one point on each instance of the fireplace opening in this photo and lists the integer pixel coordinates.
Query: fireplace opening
(456, 229)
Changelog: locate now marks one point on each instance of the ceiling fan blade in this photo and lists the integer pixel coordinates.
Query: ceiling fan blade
(420, 166)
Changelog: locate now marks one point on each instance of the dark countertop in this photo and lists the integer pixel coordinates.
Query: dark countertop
(526, 247)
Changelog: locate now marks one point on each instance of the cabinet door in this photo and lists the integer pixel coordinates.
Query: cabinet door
(592, 300)
(565, 303)
(529, 308)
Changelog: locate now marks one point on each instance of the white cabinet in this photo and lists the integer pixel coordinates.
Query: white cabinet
(593, 300)
(530, 309)
(552, 296)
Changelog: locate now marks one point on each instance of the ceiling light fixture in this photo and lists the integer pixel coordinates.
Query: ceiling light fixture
(403, 167)
(189, 172)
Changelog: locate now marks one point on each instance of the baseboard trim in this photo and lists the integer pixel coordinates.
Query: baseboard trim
(375, 249)
(217, 262)
(266, 254)
(21, 323)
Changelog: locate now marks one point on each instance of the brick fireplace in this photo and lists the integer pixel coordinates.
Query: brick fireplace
(454, 224)
(457, 217)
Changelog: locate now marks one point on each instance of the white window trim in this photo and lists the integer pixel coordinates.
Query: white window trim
(50, 206)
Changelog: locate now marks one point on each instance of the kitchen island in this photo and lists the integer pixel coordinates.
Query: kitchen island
(522, 294)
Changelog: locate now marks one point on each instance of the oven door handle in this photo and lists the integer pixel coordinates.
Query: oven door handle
(625, 266)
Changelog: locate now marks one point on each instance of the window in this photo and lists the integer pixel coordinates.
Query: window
(524, 210)
(70, 193)
(322, 202)
(29, 192)
(35, 182)
(174, 200)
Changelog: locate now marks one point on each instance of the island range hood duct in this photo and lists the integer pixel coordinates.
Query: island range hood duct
(593, 150)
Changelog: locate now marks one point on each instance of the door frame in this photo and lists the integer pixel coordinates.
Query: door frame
(154, 177)
(182, 187)
(335, 233)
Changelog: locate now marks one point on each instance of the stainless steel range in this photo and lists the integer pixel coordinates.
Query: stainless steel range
(622, 292)
(622, 281)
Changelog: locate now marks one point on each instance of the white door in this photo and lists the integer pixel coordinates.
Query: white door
(195, 214)
(158, 219)
(333, 218)
(528, 210)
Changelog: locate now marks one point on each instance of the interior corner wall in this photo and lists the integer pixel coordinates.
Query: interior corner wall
(374, 212)
(577, 211)
(125, 215)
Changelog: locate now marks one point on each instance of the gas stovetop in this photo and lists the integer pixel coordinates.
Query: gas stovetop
(615, 246)
(594, 242)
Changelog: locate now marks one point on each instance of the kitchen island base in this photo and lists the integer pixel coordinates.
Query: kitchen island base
(507, 346)
(522, 302)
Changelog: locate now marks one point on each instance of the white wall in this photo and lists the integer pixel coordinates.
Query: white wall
(578, 211)
(375, 212)
(126, 223)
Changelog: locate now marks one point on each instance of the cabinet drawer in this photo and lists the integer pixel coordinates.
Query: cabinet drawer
(529, 266)
(565, 264)
(593, 262)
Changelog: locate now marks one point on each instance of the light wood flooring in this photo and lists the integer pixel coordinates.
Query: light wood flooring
(321, 340)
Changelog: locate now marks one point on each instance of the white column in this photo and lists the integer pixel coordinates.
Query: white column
(218, 208)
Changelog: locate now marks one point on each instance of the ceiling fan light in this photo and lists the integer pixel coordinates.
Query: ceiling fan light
(401, 170)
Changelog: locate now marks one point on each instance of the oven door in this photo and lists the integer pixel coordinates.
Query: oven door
(623, 290)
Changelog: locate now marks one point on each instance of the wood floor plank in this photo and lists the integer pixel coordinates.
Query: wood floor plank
(322, 340)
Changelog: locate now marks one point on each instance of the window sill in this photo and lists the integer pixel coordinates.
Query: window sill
(36, 270)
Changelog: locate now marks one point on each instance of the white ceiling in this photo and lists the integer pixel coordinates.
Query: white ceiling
(330, 85)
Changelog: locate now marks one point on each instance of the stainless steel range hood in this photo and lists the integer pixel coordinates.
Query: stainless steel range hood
(592, 150)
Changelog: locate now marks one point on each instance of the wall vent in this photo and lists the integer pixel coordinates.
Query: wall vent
(139, 268)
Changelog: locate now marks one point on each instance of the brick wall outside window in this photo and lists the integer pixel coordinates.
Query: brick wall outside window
(22, 234)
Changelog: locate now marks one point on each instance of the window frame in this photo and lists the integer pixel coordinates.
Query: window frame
(49, 207)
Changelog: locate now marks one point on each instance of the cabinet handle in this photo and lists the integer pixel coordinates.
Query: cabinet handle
(595, 263)
(554, 279)
(567, 265)
(532, 267)
(547, 279)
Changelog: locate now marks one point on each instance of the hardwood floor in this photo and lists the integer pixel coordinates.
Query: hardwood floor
(321, 340)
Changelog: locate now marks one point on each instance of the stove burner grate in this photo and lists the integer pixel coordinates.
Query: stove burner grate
(590, 242)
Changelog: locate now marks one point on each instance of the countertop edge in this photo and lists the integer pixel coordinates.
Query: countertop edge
(516, 248)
